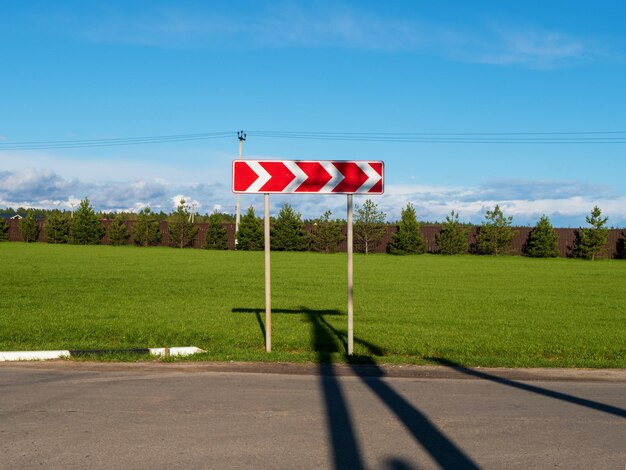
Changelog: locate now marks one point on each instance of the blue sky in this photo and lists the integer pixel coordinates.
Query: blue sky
(104, 70)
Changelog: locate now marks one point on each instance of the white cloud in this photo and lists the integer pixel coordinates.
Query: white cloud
(289, 25)
(566, 203)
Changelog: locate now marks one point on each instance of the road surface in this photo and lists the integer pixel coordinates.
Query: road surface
(67, 415)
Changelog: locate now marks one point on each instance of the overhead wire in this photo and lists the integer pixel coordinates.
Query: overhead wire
(590, 137)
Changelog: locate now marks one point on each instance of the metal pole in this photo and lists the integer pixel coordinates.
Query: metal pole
(241, 135)
(268, 296)
(350, 283)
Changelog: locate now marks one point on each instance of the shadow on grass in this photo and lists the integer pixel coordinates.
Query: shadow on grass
(327, 340)
(594, 405)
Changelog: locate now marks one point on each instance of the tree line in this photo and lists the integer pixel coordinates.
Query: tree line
(288, 232)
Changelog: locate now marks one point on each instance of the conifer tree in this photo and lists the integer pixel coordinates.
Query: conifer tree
(542, 240)
(145, 231)
(495, 233)
(29, 228)
(182, 231)
(369, 226)
(326, 234)
(452, 238)
(86, 227)
(621, 247)
(591, 242)
(4, 230)
(118, 233)
(57, 228)
(288, 231)
(250, 236)
(408, 239)
(216, 237)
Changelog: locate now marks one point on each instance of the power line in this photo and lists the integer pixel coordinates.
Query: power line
(65, 144)
(553, 138)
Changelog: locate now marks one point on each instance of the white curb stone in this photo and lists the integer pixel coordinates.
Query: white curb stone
(44, 355)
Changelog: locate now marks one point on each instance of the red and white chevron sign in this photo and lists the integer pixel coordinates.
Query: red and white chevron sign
(302, 176)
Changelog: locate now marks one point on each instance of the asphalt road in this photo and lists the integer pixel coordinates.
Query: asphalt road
(80, 416)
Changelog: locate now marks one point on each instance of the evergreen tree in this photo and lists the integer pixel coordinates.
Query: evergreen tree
(29, 228)
(145, 231)
(326, 234)
(86, 227)
(118, 233)
(182, 231)
(216, 237)
(495, 234)
(288, 231)
(250, 236)
(542, 240)
(621, 247)
(452, 238)
(57, 228)
(369, 226)
(408, 239)
(4, 230)
(591, 242)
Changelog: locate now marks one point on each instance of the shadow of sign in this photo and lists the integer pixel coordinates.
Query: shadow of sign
(346, 453)
(594, 405)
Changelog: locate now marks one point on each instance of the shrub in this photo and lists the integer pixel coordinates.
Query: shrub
(591, 242)
(145, 231)
(326, 234)
(369, 226)
(57, 228)
(542, 240)
(250, 236)
(621, 247)
(452, 238)
(288, 231)
(86, 228)
(118, 233)
(29, 228)
(495, 233)
(4, 230)
(182, 231)
(216, 237)
(408, 239)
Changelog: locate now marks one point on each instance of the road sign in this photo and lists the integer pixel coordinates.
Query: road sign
(306, 177)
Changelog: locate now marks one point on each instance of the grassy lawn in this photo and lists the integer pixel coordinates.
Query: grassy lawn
(475, 311)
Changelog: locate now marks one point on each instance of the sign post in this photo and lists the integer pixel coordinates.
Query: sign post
(308, 177)
(350, 282)
(268, 284)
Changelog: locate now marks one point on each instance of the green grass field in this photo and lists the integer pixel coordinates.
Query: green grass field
(475, 311)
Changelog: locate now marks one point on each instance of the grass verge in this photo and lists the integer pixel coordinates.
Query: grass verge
(474, 311)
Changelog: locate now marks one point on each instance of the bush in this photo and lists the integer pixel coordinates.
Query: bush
(369, 226)
(495, 233)
(408, 239)
(452, 238)
(621, 247)
(29, 228)
(145, 231)
(250, 236)
(288, 231)
(57, 228)
(326, 234)
(4, 230)
(216, 237)
(86, 228)
(182, 231)
(591, 242)
(542, 240)
(118, 233)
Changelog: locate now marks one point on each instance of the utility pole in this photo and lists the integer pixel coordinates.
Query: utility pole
(241, 135)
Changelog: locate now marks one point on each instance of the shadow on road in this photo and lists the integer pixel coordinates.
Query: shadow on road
(614, 410)
(326, 340)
